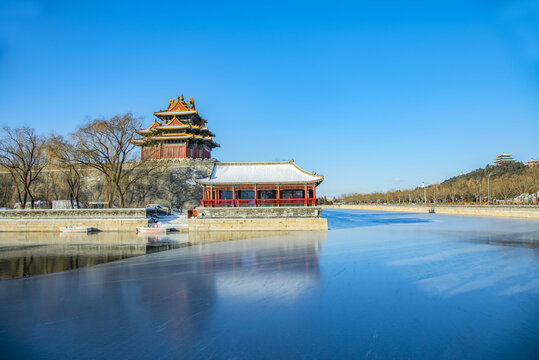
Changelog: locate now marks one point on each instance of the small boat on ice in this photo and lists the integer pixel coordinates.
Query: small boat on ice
(76, 229)
(152, 229)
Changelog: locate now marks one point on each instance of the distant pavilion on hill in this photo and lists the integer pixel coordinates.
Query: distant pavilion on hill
(532, 162)
(179, 133)
(259, 184)
(504, 158)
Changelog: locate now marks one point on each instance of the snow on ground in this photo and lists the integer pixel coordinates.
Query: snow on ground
(176, 220)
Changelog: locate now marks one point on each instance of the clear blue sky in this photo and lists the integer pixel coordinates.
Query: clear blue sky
(374, 95)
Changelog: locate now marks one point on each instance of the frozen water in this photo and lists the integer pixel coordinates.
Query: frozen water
(33, 253)
(376, 286)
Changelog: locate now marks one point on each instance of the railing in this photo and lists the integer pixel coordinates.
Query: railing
(259, 202)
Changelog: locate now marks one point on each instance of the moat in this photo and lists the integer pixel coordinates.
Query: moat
(376, 285)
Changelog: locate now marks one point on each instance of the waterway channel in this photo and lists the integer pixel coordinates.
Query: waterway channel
(375, 286)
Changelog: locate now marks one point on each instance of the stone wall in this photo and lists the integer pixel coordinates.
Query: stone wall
(174, 184)
(271, 225)
(45, 225)
(294, 218)
(259, 212)
(52, 220)
(73, 213)
(531, 212)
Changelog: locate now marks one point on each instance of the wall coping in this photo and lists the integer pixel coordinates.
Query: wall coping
(74, 213)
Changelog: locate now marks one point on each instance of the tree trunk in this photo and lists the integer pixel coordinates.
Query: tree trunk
(121, 196)
(110, 195)
(25, 197)
(19, 196)
(31, 199)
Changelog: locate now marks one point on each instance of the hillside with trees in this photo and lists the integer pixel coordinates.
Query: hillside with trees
(510, 183)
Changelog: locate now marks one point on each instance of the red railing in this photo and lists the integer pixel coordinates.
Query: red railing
(259, 202)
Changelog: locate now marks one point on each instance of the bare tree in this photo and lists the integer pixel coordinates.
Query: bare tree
(22, 153)
(105, 145)
(64, 156)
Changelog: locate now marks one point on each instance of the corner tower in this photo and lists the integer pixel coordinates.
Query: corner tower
(179, 132)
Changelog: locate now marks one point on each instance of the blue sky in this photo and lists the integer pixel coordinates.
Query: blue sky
(374, 95)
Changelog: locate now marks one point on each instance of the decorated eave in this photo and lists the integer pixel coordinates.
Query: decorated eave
(172, 137)
(173, 127)
(150, 129)
(260, 173)
(175, 112)
(209, 140)
(139, 141)
(174, 123)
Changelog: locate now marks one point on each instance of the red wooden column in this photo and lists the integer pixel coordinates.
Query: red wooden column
(233, 195)
(211, 196)
(314, 195)
(278, 195)
(256, 196)
(305, 195)
(204, 196)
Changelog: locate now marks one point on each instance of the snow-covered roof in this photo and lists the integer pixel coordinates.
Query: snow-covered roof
(259, 173)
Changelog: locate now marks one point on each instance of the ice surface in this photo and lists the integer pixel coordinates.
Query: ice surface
(378, 286)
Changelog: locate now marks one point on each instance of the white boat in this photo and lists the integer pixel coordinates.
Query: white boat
(152, 230)
(76, 229)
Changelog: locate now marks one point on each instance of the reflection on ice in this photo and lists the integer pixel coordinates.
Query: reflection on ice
(163, 297)
(272, 265)
(265, 285)
(200, 237)
(418, 286)
(29, 254)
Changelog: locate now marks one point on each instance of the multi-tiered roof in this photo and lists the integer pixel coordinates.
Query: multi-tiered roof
(504, 158)
(532, 162)
(178, 132)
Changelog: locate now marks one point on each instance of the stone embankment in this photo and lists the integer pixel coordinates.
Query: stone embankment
(52, 220)
(521, 211)
(298, 218)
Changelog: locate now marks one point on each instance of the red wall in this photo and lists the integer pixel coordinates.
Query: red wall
(175, 152)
